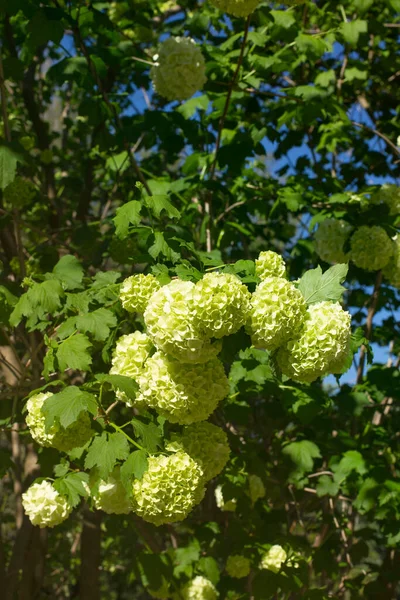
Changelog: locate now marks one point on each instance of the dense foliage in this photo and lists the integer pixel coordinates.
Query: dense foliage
(194, 402)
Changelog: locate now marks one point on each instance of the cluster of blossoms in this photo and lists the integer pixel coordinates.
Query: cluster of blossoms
(19, 193)
(111, 496)
(44, 506)
(180, 69)
(273, 559)
(200, 588)
(368, 247)
(63, 439)
(237, 566)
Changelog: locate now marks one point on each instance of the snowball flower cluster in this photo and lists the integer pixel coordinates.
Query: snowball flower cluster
(136, 291)
(220, 303)
(63, 439)
(111, 496)
(208, 445)
(389, 194)
(44, 506)
(180, 69)
(238, 8)
(19, 192)
(277, 312)
(170, 324)
(182, 393)
(392, 269)
(200, 588)
(371, 248)
(322, 346)
(273, 559)
(169, 489)
(237, 566)
(256, 488)
(330, 239)
(129, 357)
(270, 264)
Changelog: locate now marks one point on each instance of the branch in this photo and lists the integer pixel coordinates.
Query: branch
(368, 325)
(379, 134)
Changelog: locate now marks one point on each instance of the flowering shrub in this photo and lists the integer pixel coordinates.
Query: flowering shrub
(45, 506)
(371, 248)
(269, 264)
(136, 292)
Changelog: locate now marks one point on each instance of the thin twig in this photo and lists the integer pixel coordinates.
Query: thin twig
(379, 134)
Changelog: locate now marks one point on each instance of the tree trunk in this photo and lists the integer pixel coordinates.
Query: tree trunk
(89, 584)
(33, 570)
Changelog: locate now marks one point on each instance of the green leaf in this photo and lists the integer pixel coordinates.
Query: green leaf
(283, 18)
(97, 323)
(104, 452)
(352, 30)
(158, 203)
(40, 299)
(352, 461)
(209, 567)
(72, 353)
(128, 214)
(67, 405)
(311, 46)
(135, 466)
(70, 271)
(160, 246)
(326, 486)
(302, 454)
(188, 108)
(354, 73)
(72, 487)
(120, 382)
(118, 162)
(149, 435)
(317, 287)
(8, 166)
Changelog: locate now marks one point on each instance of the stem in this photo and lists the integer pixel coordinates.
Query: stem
(208, 200)
(126, 435)
(368, 324)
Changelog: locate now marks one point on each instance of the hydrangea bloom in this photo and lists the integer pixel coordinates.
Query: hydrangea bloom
(229, 506)
(256, 488)
(371, 248)
(129, 357)
(208, 445)
(200, 588)
(392, 269)
(330, 238)
(238, 8)
(111, 496)
(220, 303)
(277, 312)
(170, 324)
(136, 292)
(322, 345)
(169, 489)
(44, 506)
(270, 264)
(237, 566)
(63, 439)
(273, 559)
(19, 192)
(180, 70)
(389, 194)
(180, 392)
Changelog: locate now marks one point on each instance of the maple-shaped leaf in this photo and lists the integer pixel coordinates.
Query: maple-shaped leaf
(70, 271)
(317, 286)
(105, 450)
(67, 405)
(97, 323)
(127, 214)
(72, 353)
(73, 486)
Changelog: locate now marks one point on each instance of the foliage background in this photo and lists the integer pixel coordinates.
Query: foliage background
(301, 109)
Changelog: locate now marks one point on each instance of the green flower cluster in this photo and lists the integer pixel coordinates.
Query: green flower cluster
(322, 346)
(273, 559)
(229, 505)
(111, 496)
(19, 193)
(44, 506)
(330, 239)
(169, 489)
(392, 269)
(277, 312)
(219, 304)
(389, 194)
(129, 357)
(207, 444)
(237, 566)
(371, 248)
(200, 588)
(237, 8)
(136, 292)
(63, 439)
(180, 69)
(270, 264)
(182, 393)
